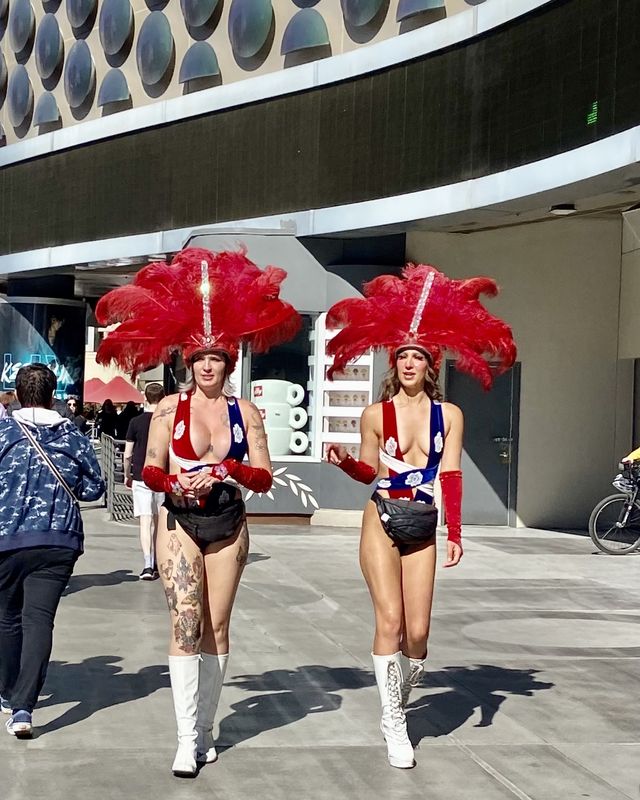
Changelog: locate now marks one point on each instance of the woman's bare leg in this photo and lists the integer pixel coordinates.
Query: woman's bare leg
(223, 566)
(418, 573)
(181, 568)
(381, 567)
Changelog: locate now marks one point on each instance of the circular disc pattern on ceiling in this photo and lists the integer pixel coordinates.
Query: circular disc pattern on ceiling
(114, 25)
(21, 24)
(3, 74)
(19, 95)
(359, 12)
(200, 61)
(409, 8)
(305, 29)
(46, 110)
(197, 12)
(155, 48)
(79, 74)
(79, 11)
(249, 26)
(49, 46)
(113, 88)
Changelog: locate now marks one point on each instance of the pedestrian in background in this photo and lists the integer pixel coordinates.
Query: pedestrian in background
(107, 419)
(146, 502)
(129, 412)
(79, 419)
(46, 466)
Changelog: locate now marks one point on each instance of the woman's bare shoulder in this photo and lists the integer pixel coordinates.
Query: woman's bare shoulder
(372, 414)
(250, 412)
(166, 406)
(452, 413)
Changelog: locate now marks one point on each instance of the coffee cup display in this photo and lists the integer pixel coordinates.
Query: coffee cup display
(276, 391)
(283, 441)
(281, 415)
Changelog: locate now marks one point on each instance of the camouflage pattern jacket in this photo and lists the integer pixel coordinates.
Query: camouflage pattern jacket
(35, 510)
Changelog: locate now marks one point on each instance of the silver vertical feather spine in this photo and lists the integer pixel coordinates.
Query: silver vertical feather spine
(205, 289)
(422, 302)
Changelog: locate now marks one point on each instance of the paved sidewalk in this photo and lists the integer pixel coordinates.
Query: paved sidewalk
(532, 689)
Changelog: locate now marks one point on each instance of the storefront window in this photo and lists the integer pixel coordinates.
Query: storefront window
(279, 387)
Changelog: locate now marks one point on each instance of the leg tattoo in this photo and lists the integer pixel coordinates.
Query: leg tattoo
(187, 630)
(166, 568)
(172, 598)
(243, 546)
(184, 575)
(174, 544)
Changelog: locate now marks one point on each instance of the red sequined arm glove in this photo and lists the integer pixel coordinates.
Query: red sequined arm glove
(451, 483)
(158, 481)
(358, 470)
(254, 478)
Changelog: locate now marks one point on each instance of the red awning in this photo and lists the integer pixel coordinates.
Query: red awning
(118, 390)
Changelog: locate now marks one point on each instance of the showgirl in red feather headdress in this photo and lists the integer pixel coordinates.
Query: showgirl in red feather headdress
(201, 301)
(409, 439)
(427, 310)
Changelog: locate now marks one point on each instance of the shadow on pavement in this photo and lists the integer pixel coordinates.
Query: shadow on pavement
(94, 684)
(286, 696)
(79, 582)
(482, 686)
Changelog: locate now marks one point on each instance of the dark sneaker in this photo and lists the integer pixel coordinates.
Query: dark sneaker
(5, 706)
(147, 574)
(19, 725)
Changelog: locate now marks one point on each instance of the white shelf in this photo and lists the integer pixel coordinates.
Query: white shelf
(363, 361)
(340, 436)
(342, 411)
(346, 386)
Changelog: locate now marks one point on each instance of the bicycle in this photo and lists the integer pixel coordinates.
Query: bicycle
(614, 524)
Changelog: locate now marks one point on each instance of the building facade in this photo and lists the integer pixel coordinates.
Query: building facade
(340, 139)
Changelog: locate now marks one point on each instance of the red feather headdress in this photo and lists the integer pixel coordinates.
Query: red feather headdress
(201, 301)
(427, 310)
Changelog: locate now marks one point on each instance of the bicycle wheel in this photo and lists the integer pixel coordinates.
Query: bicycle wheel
(607, 532)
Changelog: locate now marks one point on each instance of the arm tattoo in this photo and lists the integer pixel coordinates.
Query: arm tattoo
(164, 412)
(260, 442)
(152, 452)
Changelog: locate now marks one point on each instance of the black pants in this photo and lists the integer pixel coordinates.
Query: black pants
(31, 583)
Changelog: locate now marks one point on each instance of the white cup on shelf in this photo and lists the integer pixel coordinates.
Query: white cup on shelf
(279, 415)
(271, 390)
(283, 441)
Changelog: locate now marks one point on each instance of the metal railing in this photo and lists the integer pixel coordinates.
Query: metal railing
(119, 497)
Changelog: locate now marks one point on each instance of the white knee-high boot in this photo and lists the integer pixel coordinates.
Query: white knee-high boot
(212, 672)
(185, 672)
(412, 672)
(388, 671)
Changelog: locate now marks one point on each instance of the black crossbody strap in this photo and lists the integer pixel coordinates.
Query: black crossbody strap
(39, 449)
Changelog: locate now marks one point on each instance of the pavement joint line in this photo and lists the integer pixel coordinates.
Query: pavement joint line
(492, 771)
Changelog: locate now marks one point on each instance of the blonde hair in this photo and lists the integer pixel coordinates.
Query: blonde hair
(390, 385)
